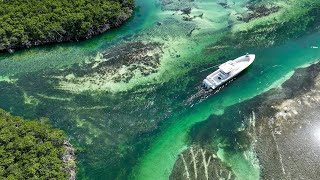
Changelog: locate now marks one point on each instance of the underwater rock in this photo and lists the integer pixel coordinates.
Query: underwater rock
(185, 18)
(200, 16)
(224, 4)
(186, 11)
(257, 11)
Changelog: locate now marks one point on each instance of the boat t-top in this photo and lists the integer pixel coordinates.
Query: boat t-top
(227, 71)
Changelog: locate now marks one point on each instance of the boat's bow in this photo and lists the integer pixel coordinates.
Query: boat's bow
(251, 58)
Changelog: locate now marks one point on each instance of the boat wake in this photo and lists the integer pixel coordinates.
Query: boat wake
(203, 94)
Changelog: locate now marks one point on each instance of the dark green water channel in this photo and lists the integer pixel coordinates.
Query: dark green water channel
(137, 128)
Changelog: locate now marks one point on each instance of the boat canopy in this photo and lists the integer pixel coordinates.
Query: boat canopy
(226, 67)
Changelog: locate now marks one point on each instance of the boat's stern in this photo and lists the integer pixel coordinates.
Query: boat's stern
(206, 84)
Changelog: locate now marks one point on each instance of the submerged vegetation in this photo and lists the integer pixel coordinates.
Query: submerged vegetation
(27, 23)
(270, 23)
(126, 100)
(31, 149)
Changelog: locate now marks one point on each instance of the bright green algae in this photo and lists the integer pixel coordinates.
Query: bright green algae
(89, 115)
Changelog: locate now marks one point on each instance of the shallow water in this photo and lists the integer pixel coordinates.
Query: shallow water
(138, 128)
(270, 68)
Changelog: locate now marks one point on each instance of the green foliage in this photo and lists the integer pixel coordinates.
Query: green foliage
(30, 149)
(23, 23)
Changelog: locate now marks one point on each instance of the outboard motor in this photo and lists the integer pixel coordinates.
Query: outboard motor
(206, 84)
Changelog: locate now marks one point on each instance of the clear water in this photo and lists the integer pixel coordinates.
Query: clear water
(271, 67)
(103, 124)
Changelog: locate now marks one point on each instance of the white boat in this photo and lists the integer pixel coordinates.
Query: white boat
(227, 71)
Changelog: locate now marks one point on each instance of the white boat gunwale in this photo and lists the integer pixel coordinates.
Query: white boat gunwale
(227, 71)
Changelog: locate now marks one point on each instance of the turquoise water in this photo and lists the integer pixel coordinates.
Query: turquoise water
(270, 68)
(138, 128)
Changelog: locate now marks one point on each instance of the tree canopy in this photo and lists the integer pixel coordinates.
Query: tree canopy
(25, 23)
(30, 149)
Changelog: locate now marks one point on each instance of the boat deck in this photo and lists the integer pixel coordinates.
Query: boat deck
(217, 78)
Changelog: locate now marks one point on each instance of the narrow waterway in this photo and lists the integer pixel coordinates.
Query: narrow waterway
(137, 127)
(271, 67)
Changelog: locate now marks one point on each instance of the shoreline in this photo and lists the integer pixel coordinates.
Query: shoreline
(35, 149)
(69, 158)
(112, 24)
